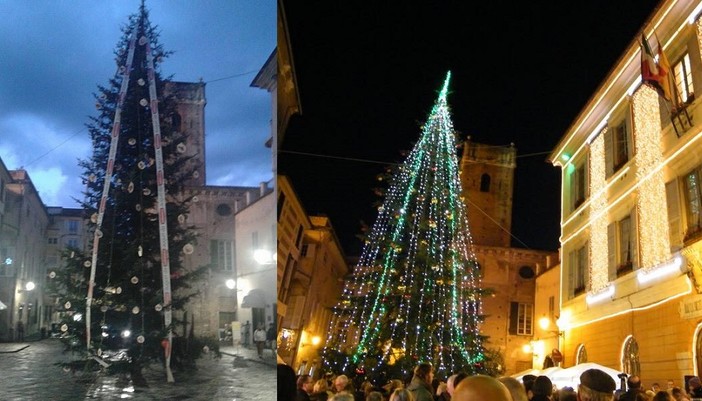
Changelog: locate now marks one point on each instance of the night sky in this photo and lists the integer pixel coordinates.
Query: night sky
(368, 76)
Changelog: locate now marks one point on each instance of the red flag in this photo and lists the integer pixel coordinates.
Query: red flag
(655, 72)
(649, 70)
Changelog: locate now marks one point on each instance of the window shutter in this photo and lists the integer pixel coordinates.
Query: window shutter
(586, 266)
(298, 304)
(609, 150)
(634, 235)
(673, 200)
(513, 317)
(571, 273)
(612, 251)
(214, 254)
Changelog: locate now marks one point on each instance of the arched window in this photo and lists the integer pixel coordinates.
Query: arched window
(630, 357)
(580, 354)
(176, 120)
(485, 183)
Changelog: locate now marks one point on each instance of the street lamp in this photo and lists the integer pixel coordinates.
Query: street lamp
(264, 257)
(231, 284)
(29, 286)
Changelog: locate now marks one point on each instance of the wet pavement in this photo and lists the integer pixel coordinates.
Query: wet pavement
(28, 372)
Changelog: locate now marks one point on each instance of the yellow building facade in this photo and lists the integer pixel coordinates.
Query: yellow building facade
(630, 215)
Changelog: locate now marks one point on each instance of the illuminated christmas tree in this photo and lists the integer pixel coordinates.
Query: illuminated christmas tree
(415, 294)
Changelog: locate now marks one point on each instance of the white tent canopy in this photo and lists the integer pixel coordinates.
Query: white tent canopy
(568, 377)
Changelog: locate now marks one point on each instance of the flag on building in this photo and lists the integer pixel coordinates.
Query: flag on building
(663, 71)
(653, 71)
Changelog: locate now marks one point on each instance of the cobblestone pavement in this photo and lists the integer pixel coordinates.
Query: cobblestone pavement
(29, 373)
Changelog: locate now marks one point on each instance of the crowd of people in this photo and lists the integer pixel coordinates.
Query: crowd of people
(595, 385)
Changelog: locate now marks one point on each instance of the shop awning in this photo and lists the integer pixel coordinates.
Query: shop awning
(254, 299)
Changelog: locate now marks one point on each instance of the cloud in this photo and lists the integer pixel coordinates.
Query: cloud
(52, 183)
(48, 79)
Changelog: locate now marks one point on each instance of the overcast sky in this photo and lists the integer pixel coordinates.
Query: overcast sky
(53, 54)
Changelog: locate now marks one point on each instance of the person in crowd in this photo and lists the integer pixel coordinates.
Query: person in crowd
(567, 394)
(393, 385)
(670, 384)
(528, 381)
(662, 396)
(633, 384)
(260, 339)
(695, 387)
(596, 385)
(441, 393)
(678, 394)
(305, 385)
(271, 337)
(401, 394)
(449, 385)
(286, 383)
(341, 383)
(320, 391)
(453, 381)
(655, 387)
(342, 397)
(481, 388)
(516, 389)
(20, 331)
(542, 389)
(375, 396)
(420, 386)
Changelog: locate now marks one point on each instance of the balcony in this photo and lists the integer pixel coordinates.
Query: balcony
(625, 268)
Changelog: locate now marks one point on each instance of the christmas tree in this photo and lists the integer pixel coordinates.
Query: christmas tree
(119, 297)
(415, 293)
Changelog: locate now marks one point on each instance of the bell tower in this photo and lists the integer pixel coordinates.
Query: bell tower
(487, 176)
(190, 119)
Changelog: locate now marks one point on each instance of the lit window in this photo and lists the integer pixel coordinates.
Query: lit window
(630, 357)
(617, 146)
(525, 318)
(693, 203)
(521, 319)
(682, 75)
(622, 247)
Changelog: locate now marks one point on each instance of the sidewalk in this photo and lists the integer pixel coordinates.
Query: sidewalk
(269, 356)
(9, 348)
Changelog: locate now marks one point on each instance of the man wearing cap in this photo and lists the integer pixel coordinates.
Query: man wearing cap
(542, 389)
(596, 385)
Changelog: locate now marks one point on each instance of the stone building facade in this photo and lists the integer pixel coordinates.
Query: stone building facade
(487, 177)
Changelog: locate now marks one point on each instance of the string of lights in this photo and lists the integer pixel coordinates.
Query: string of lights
(415, 292)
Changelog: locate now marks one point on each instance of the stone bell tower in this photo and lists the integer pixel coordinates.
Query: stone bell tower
(487, 176)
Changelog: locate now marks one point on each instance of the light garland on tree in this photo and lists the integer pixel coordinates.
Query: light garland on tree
(416, 290)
